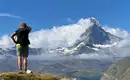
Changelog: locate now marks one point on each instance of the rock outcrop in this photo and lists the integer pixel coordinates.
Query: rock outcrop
(118, 71)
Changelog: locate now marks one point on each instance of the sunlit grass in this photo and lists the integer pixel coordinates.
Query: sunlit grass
(31, 76)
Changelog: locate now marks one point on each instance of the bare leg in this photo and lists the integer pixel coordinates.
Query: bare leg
(20, 62)
(25, 63)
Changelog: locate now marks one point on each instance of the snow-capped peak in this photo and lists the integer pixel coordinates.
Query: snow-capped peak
(94, 21)
(89, 22)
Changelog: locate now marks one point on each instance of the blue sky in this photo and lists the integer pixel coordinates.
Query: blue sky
(48, 13)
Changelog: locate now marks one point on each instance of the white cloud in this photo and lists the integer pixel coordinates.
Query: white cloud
(63, 36)
(9, 15)
(60, 36)
(117, 32)
(5, 42)
(70, 20)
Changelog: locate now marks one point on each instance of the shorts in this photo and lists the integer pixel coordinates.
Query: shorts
(22, 50)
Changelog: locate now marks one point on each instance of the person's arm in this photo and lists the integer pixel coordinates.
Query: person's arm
(12, 37)
(29, 28)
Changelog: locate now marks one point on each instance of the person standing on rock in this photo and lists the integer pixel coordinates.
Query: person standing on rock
(22, 44)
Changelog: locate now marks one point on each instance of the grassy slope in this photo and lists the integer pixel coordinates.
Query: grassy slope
(32, 76)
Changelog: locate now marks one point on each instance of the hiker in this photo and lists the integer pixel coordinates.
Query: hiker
(22, 43)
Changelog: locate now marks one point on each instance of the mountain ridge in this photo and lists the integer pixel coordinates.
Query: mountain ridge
(94, 34)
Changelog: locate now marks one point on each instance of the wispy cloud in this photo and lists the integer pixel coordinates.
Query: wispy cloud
(9, 15)
(70, 20)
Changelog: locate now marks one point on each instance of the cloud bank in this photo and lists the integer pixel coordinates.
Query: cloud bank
(9, 15)
(58, 36)
(117, 32)
(70, 20)
(66, 35)
(61, 36)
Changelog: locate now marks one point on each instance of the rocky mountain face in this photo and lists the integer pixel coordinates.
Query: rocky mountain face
(96, 35)
(118, 71)
(93, 35)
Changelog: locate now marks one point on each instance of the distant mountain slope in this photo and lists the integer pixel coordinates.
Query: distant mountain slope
(93, 35)
(32, 51)
(96, 35)
(118, 71)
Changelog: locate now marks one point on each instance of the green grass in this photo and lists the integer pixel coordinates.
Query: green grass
(31, 76)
